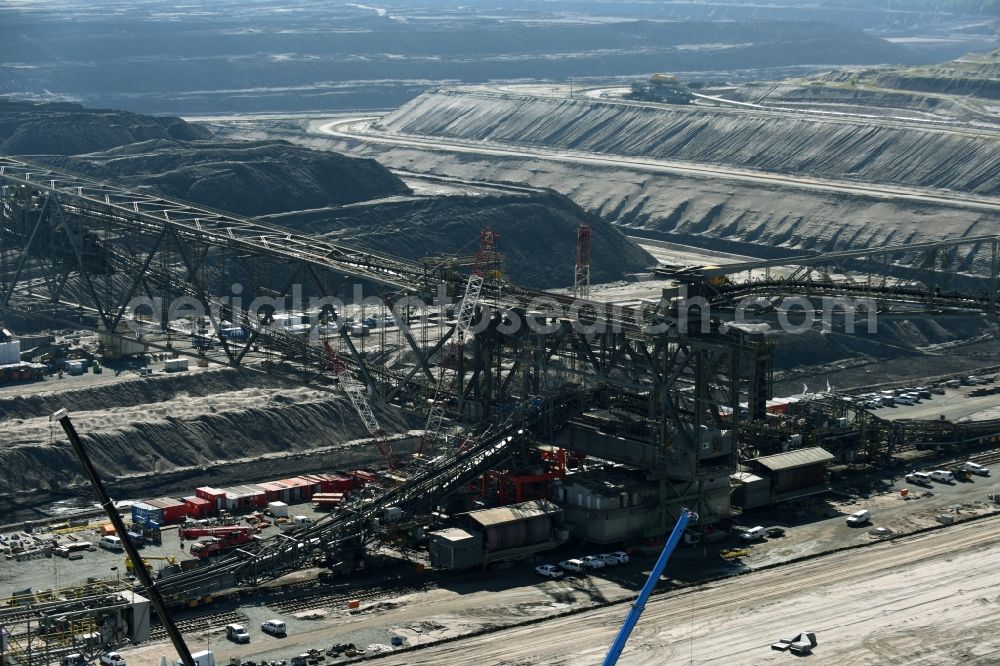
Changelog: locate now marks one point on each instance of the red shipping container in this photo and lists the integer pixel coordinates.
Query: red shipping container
(308, 488)
(214, 495)
(252, 497)
(259, 495)
(339, 483)
(316, 480)
(173, 510)
(327, 500)
(299, 489)
(197, 507)
(272, 491)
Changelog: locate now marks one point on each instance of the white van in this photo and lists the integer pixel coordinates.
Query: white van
(976, 468)
(572, 565)
(859, 518)
(273, 627)
(753, 534)
(237, 633)
(943, 476)
(111, 543)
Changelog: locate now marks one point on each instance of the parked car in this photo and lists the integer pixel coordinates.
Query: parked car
(237, 633)
(573, 565)
(112, 659)
(774, 532)
(617, 557)
(976, 468)
(73, 660)
(918, 478)
(593, 562)
(904, 400)
(859, 518)
(942, 476)
(753, 534)
(274, 627)
(549, 571)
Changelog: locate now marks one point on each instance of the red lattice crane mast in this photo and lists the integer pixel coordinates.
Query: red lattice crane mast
(357, 391)
(581, 282)
(451, 362)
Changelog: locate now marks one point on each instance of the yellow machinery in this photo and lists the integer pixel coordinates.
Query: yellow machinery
(170, 559)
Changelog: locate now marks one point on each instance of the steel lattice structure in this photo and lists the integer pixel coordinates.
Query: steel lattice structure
(536, 365)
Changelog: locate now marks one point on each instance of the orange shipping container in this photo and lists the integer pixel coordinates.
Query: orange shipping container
(107, 529)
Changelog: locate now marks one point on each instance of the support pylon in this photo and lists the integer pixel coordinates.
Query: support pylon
(451, 361)
(581, 283)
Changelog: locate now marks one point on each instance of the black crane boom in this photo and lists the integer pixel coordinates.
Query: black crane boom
(145, 577)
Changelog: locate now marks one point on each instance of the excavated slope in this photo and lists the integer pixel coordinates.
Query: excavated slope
(767, 221)
(67, 129)
(186, 161)
(838, 148)
(247, 178)
(537, 233)
(976, 75)
(296, 184)
(181, 425)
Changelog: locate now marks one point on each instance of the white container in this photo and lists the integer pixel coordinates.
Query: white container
(203, 658)
(175, 365)
(10, 352)
(278, 509)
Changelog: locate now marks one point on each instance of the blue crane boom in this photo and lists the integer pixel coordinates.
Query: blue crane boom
(640, 603)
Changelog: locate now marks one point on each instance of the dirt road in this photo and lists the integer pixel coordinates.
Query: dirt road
(928, 599)
(364, 131)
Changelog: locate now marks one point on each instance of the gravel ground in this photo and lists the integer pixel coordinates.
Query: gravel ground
(470, 602)
(928, 600)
